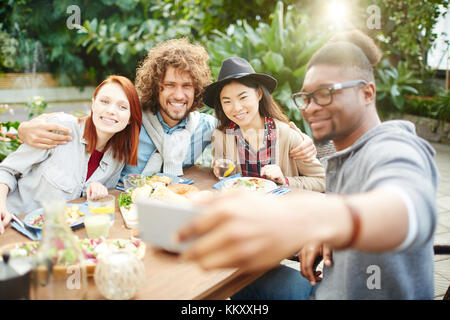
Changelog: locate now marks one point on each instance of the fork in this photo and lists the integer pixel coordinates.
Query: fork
(280, 191)
(25, 226)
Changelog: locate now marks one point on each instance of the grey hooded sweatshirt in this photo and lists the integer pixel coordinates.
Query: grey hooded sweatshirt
(390, 155)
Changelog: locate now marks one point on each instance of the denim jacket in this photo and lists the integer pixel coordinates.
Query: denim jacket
(33, 175)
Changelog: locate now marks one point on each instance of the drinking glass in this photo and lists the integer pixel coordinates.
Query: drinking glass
(101, 216)
(224, 167)
(132, 181)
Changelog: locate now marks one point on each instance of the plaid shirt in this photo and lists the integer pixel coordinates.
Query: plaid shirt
(251, 161)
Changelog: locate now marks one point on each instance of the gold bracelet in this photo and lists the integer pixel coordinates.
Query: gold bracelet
(356, 223)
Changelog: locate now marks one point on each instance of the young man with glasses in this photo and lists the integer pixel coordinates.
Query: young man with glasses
(375, 227)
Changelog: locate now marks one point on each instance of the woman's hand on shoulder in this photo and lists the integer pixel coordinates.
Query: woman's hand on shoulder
(306, 150)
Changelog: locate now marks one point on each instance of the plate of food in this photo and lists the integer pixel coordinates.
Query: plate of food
(250, 183)
(164, 178)
(75, 214)
(91, 248)
(173, 193)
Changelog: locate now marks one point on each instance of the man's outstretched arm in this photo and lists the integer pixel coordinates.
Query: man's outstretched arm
(39, 133)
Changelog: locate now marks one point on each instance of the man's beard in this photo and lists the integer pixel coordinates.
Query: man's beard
(327, 137)
(324, 139)
(176, 116)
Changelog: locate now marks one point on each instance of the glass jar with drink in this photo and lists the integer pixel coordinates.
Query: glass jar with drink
(224, 168)
(101, 216)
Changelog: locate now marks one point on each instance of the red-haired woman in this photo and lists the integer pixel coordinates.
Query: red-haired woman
(88, 165)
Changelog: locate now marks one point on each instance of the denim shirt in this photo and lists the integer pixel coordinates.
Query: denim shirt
(33, 175)
(199, 141)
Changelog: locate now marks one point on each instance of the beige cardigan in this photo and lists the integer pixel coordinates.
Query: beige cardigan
(300, 174)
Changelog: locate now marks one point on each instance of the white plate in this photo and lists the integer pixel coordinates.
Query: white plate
(83, 207)
(175, 179)
(267, 185)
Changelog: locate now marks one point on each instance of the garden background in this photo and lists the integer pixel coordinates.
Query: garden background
(53, 53)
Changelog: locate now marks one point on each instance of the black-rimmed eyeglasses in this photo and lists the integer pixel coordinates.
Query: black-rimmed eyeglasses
(322, 96)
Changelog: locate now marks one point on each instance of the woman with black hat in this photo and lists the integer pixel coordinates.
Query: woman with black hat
(253, 132)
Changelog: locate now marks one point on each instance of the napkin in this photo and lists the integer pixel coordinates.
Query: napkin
(181, 180)
(25, 232)
(280, 191)
(186, 181)
(219, 184)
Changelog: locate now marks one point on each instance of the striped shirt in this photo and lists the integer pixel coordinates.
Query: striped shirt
(199, 141)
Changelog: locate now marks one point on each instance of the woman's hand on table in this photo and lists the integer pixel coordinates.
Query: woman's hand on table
(5, 218)
(96, 190)
(306, 151)
(273, 172)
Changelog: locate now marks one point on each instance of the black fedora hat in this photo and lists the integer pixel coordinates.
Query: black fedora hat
(236, 68)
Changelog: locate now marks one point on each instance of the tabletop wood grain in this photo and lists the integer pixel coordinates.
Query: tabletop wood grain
(167, 276)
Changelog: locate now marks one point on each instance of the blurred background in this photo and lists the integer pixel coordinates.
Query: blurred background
(54, 53)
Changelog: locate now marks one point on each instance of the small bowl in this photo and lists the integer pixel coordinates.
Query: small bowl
(132, 181)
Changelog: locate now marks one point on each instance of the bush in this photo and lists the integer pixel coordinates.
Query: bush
(8, 51)
(394, 84)
(9, 140)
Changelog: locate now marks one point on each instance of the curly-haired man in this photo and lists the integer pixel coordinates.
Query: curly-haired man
(170, 83)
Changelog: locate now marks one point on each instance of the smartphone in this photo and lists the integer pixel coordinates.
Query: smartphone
(159, 221)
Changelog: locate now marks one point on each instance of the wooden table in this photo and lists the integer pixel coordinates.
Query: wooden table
(167, 277)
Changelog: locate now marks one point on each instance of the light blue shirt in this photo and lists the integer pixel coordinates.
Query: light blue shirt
(199, 141)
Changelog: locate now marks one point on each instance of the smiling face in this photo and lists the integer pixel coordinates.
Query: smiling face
(340, 119)
(110, 110)
(176, 96)
(241, 105)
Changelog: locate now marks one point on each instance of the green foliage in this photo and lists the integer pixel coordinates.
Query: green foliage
(209, 15)
(394, 84)
(9, 140)
(8, 51)
(277, 38)
(124, 43)
(406, 33)
(437, 107)
(121, 41)
(281, 49)
(45, 44)
(124, 200)
(441, 108)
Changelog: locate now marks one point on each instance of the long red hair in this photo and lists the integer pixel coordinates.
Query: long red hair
(126, 142)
